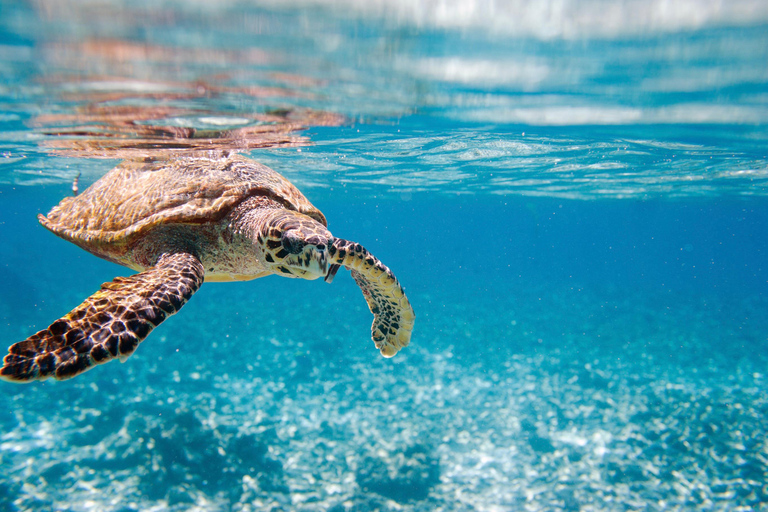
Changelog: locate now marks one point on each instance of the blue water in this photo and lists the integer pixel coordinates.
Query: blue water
(573, 194)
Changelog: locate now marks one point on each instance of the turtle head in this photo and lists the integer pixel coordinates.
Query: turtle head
(296, 245)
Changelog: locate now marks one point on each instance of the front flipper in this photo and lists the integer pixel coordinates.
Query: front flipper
(393, 315)
(110, 323)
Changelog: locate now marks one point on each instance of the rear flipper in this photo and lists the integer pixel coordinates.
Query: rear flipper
(110, 323)
(393, 315)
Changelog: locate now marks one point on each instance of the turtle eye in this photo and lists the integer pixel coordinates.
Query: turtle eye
(292, 243)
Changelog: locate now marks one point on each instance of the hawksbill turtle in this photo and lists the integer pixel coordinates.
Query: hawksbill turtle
(179, 222)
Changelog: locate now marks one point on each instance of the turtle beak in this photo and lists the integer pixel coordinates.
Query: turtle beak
(331, 273)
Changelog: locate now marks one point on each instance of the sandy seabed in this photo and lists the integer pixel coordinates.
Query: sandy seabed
(542, 400)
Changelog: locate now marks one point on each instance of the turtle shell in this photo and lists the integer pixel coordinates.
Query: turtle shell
(137, 196)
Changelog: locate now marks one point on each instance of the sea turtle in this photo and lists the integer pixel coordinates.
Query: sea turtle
(180, 221)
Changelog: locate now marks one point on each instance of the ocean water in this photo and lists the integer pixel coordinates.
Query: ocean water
(574, 195)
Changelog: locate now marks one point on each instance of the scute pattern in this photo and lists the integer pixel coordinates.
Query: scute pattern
(110, 323)
(138, 195)
(393, 316)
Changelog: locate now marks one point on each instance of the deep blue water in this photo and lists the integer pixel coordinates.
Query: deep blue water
(573, 195)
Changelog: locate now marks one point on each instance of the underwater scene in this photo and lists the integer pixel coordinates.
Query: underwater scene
(528, 244)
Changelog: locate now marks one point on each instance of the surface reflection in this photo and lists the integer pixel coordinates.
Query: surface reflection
(114, 129)
(121, 99)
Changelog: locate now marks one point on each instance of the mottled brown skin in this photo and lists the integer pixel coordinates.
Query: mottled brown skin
(180, 222)
(110, 323)
(392, 313)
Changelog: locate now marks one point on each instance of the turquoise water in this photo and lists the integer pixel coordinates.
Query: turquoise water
(573, 194)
